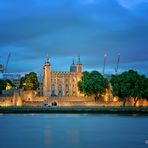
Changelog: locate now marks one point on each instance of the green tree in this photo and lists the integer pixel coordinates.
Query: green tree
(146, 88)
(129, 84)
(10, 82)
(29, 82)
(5, 85)
(93, 84)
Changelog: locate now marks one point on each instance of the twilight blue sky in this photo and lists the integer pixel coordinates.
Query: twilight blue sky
(64, 29)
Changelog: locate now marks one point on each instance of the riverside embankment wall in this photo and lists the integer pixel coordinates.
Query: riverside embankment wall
(29, 98)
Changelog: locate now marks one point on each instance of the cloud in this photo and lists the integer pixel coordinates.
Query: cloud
(66, 29)
(131, 4)
(88, 1)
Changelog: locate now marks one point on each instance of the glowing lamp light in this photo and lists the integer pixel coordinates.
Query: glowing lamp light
(105, 55)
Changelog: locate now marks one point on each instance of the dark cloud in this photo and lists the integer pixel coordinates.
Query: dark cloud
(30, 29)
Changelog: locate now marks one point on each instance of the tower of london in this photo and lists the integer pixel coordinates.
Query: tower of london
(61, 83)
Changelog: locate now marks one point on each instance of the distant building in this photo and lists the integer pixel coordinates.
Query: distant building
(14, 77)
(61, 83)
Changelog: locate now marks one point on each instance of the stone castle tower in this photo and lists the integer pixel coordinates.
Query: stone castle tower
(61, 83)
(47, 78)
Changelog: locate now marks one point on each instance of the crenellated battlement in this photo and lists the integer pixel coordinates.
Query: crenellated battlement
(57, 83)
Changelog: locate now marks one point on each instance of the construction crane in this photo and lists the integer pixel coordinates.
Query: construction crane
(1, 66)
(105, 56)
(117, 65)
(7, 62)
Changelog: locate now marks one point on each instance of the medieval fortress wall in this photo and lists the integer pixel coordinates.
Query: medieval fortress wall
(30, 98)
(61, 87)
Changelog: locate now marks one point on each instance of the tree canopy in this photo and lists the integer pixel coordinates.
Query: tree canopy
(29, 82)
(92, 83)
(5, 85)
(130, 84)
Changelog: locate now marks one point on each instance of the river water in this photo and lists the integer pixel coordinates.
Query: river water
(73, 131)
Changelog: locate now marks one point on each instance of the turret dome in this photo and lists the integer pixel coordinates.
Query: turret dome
(73, 67)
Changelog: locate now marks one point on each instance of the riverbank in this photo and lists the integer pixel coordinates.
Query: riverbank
(116, 110)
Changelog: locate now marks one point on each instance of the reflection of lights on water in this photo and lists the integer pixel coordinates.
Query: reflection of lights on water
(146, 141)
(73, 132)
(77, 115)
(72, 115)
(48, 135)
(74, 140)
(135, 115)
(74, 136)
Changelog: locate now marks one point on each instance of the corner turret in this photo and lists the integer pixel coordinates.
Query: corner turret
(73, 67)
(47, 78)
(79, 65)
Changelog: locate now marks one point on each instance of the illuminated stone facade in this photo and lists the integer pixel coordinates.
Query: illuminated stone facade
(61, 83)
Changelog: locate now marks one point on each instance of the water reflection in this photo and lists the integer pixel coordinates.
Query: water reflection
(48, 135)
(73, 130)
(74, 136)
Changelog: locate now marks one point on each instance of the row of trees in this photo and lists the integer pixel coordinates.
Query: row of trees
(28, 82)
(126, 85)
(130, 84)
